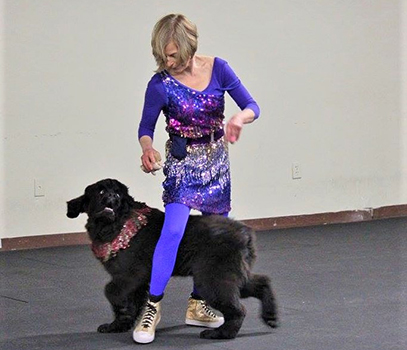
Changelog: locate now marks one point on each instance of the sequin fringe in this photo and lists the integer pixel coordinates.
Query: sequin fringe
(201, 180)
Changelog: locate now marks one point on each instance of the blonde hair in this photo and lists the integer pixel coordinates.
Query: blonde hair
(180, 30)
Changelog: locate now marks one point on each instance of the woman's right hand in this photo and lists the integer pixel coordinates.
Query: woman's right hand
(150, 160)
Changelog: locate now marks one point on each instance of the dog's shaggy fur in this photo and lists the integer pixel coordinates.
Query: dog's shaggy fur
(217, 252)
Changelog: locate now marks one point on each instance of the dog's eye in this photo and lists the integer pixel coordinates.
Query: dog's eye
(102, 192)
(117, 195)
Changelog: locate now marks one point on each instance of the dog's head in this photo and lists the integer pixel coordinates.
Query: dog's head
(105, 200)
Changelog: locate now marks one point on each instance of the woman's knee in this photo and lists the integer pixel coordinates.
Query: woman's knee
(173, 231)
(176, 218)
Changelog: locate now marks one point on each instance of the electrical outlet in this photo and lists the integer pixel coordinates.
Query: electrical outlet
(38, 188)
(296, 171)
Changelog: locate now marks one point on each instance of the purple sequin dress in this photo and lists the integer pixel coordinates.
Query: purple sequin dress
(202, 179)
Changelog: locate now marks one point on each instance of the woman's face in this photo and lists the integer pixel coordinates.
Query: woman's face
(171, 54)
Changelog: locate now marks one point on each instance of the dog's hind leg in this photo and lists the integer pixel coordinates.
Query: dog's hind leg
(227, 302)
(258, 286)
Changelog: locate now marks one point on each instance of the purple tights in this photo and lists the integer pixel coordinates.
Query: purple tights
(165, 254)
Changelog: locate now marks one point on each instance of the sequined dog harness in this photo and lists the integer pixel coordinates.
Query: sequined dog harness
(131, 227)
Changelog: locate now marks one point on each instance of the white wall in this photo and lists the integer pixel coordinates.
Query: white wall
(327, 76)
(403, 93)
(2, 118)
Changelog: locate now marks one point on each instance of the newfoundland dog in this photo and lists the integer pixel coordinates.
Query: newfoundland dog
(216, 251)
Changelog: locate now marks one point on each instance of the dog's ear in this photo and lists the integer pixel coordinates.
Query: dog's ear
(75, 207)
(122, 188)
(127, 200)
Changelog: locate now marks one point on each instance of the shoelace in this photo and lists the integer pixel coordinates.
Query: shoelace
(149, 315)
(207, 309)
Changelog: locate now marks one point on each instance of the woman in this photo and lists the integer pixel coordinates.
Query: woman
(189, 89)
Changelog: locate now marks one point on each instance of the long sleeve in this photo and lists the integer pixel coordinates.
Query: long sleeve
(154, 101)
(232, 84)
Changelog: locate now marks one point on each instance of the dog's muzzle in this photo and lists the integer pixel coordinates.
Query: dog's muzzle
(107, 212)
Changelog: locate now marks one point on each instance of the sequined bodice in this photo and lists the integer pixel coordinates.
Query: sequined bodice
(190, 113)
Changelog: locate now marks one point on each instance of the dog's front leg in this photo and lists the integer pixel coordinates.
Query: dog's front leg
(126, 302)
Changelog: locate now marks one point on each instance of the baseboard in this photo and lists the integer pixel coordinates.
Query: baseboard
(266, 224)
(262, 224)
(44, 241)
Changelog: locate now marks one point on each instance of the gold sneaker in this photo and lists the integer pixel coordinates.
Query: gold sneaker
(145, 330)
(200, 314)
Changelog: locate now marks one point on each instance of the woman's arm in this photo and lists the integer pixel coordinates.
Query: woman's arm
(154, 102)
(249, 107)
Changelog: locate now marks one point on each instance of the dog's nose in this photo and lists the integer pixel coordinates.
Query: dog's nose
(110, 198)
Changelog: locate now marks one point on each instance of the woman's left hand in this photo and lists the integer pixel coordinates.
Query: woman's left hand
(235, 124)
(233, 128)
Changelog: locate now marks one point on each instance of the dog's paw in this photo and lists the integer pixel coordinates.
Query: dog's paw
(272, 322)
(216, 334)
(114, 328)
(104, 328)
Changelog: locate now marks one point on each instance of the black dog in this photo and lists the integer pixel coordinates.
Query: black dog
(218, 253)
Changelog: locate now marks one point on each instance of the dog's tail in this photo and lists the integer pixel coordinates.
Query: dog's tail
(250, 256)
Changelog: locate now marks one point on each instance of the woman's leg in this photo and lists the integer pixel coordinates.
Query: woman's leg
(165, 254)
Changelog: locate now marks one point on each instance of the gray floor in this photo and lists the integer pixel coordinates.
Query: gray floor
(338, 287)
